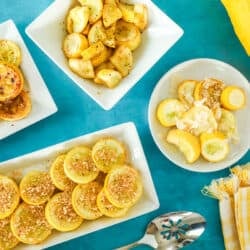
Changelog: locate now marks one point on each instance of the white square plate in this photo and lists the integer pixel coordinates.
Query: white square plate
(42, 159)
(47, 31)
(42, 102)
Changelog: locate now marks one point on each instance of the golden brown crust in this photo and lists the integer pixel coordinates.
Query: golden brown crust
(11, 81)
(17, 108)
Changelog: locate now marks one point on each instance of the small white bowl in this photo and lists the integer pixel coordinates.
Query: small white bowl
(48, 32)
(199, 69)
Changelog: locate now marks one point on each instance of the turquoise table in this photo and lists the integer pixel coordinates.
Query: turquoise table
(208, 33)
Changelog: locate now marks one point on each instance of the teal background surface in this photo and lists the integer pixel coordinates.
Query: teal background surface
(208, 33)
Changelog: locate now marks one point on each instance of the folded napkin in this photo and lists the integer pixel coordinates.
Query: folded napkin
(242, 205)
(239, 13)
(224, 189)
(242, 214)
(233, 193)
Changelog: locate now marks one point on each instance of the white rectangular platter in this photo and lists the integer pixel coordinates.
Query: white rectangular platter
(42, 102)
(42, 160)
(48, 32)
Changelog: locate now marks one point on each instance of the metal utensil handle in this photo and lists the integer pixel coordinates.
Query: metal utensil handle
(146, 240)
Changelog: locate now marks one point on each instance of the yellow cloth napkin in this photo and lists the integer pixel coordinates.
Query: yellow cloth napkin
(224, 189)
(239, 13)
(228, 224)
(242, 214)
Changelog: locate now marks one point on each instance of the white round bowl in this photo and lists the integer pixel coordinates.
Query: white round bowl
(199, 69)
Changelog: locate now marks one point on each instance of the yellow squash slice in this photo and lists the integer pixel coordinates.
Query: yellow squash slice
(123, 186)
(36, 187)
(111, 13)
(141, 16)
(107, 208)
(209, 91)
(187, 143)
(17, 108)
(110, 36)
(84, 200)
(227, 125)
(11, 81)
(29, 225)
(7, 238)
(58, 176)
(127, 10)
(82, 68)
(127, 34)
(214, 146)
(186, 91)
(79, 166)
(96, 32)
(10, 52)
(60, 213)
(108, 153)
(122, 60)
(109, 77)
(93, 50)
(102, 57)
(74, 44)
(96, 8)
(77, 19)
(168, 111)
(9, 196)
(233, 98)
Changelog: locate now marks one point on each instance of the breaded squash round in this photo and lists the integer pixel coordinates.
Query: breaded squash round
(58, 176)
(108, 153)
(79, 166)
(11, 81)
(17, 108)
(36, 187)
(29, 225)
(84, 200)
(107, 208)
(10, 52)
(7, 238)
(123, 186)
(9, 196)
(60, 213)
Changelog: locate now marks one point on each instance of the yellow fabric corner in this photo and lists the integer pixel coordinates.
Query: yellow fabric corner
(239, 13)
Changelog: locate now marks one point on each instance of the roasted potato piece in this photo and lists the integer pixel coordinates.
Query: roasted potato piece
(74, 44)
(141, 16)
(127, 34)
(95, 6)
(96, 33)
(92, 51)
(82, 68)
(122, 60)
(111, 78)
(110, 36)
(127, 10)
(77, 19)
(102, 57)
(111, 13)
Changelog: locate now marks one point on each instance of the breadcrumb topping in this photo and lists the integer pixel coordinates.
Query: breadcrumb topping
(7, 195)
